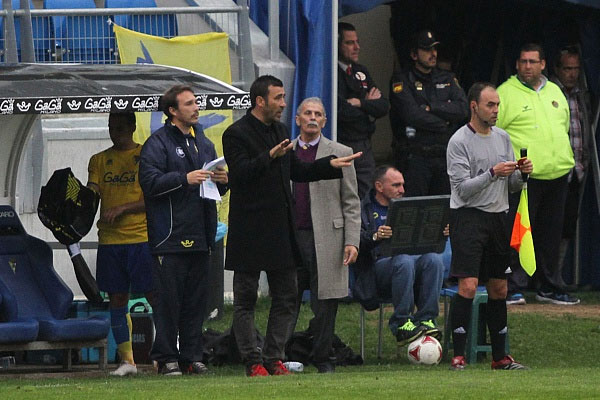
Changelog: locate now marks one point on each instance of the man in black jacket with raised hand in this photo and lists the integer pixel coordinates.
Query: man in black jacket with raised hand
(359, 104)
(262, 234)
(428, 106)
(181, 230)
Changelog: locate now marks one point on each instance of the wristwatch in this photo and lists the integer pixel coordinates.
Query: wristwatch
(375, 236)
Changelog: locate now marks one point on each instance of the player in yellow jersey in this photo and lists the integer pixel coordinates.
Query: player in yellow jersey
(123, 262)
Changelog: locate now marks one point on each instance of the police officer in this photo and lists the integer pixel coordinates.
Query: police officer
(427, 107)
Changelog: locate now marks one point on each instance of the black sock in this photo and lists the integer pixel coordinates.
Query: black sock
(496, 322)
(460, 311)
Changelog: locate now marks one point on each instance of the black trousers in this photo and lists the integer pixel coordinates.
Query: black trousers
(546, 210)
(322, 325)
(425, 176)
(364, 165)
(181, 287)
(282, 287)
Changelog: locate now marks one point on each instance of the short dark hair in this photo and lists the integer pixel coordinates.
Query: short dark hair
(476, 89)
(260, 87)
(342, 27)
(169, 99)
(126, 117)
(380, 172)
(533, 47)
(572, 50)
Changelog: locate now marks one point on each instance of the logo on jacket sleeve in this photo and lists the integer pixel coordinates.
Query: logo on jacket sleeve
(12, 263)
(179, 151)
(187, 243)
(397, 87)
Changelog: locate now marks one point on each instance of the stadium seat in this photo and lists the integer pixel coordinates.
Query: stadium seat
(42, 34)
(477, 344)
(32, 291)
(156, 25)
(84, 39)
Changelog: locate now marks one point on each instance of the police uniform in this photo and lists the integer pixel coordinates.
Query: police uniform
(421, 135)
(356, 125)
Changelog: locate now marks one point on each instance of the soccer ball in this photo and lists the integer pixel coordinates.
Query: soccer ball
(426, 350)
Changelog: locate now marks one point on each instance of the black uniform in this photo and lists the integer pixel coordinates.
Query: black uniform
(356, 125)
(421, 153)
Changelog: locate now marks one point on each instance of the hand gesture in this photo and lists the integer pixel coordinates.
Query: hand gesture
(342, 162)
(281, 149)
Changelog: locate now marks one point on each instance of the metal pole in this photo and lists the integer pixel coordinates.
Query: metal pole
(274, 30)
(9, 33)
(246, 63)
(27, 51)
(334, 69)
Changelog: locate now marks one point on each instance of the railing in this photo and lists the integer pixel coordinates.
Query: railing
(86, 35)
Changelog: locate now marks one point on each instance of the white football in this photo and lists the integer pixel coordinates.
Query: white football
(426, 350)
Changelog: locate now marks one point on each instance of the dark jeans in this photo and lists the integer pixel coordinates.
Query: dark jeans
(322, 325)
(546, 211)
(181, 283)
(282, 287)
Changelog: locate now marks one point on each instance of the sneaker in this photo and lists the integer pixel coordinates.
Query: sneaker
(170, 369)
(277, 368)
(563, 299)
(407, 333)
(507, 363)
(124, 370)
(458, 363)
(429, 329)
(256, 370)
(515, 299)
(195, 368)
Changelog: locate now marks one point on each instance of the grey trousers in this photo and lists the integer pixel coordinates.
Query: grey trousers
(282, 288)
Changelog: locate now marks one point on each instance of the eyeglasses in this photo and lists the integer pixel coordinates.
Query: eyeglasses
(532, 62)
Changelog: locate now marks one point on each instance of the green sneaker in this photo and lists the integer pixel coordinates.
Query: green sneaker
(429, 329)
(407, 333)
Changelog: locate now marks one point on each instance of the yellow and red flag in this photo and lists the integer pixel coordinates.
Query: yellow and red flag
(521, 239)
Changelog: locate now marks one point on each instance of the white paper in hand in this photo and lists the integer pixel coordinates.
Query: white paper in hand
(208, 189)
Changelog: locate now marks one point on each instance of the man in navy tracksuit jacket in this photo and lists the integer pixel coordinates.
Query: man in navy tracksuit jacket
(181, 230)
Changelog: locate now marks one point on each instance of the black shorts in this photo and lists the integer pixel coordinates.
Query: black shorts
(480, 244)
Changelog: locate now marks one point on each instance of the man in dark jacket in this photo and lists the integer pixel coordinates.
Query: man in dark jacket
(359, 104)
(181, 230)
(261, 221)
(428, 106)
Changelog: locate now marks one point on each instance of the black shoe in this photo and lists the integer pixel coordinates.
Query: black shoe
(169, 369)
(429, 329)
(408, 333)
(195, 368)
(325, 367)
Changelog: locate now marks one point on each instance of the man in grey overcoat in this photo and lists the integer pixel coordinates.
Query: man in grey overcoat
(328, 222)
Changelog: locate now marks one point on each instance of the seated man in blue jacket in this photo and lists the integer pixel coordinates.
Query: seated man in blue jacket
(409, 280)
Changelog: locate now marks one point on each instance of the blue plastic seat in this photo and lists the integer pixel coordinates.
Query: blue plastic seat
(17, 331)
(32, 291)
(84, 39)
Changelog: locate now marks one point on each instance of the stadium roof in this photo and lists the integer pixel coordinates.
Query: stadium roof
(85, 88)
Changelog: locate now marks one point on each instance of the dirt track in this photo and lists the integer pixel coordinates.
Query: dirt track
(579, 310)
